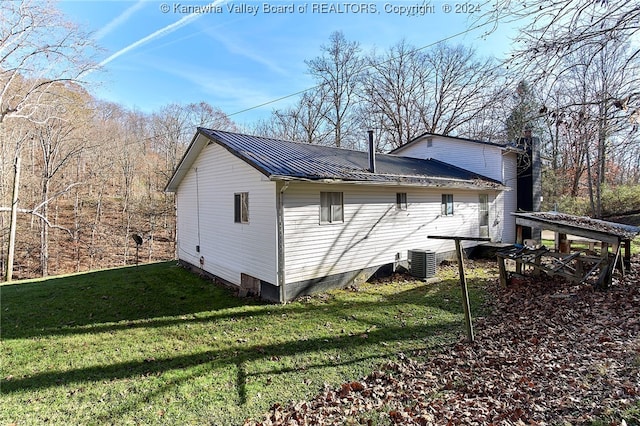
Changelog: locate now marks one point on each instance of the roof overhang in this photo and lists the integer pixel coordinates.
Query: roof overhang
(444, 183)
(202, 139)
(197, 144)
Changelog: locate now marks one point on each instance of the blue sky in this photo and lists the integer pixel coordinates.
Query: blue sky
(160, 52)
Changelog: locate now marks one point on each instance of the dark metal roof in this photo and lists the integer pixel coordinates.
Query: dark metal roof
(280, 159)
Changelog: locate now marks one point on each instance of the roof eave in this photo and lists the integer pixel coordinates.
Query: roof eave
(443, 183)
(188, 158)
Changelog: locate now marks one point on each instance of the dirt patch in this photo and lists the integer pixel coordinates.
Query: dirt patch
(551, 353)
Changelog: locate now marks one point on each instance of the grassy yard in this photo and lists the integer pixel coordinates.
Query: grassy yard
(155, 344)
(635, 245)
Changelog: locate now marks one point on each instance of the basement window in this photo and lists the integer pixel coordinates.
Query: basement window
(401, 201)
(446, 208)
(241, 207)
(331, 207)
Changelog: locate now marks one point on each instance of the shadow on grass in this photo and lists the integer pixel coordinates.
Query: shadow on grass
(109, 300)
(163, 295)
(154, 295)
(235, 355)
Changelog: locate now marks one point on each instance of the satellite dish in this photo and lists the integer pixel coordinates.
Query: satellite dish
(137, 238)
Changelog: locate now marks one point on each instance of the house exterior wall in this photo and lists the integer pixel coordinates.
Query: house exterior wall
(510, 202)
(479, 158)
(205, 218)
(485, 159)
(374, 232)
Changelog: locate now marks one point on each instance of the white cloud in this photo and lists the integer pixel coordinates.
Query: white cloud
(225, 89)
(233, 46)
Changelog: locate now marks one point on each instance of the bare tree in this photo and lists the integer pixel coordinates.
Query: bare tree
(338, 70)
(174, 124)
(394, 91)
(39, 50)
(303, 122)
(588, 110)
(58, 145)
(552, 30)
(462, 86)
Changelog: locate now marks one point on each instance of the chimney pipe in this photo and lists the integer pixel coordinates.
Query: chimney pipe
(372, 153)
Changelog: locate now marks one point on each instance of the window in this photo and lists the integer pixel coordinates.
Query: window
(241, 207)
(447, 205)
(331, 210)
(401, 201)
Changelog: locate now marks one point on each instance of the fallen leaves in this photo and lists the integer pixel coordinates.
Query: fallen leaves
(551, 353)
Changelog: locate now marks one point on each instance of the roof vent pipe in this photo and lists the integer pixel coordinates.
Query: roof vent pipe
(372, 153)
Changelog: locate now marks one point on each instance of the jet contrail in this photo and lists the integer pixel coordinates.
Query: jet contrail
(161, 32)
(121, 19)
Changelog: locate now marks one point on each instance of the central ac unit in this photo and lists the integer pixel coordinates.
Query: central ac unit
(422, 263)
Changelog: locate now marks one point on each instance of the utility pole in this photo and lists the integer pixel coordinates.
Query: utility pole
(14, 220)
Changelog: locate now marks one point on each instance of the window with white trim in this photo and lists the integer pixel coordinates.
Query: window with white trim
(241, 207)
(401, 201)
(331, 207)
(446, 208)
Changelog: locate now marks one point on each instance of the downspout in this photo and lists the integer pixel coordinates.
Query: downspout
(372, 153)
(281, 245)
(198, 209)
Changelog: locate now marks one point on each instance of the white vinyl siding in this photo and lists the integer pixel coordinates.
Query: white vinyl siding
(509, 201)
(206, 218)
(487, 160)
(373, 232)
(476, 157)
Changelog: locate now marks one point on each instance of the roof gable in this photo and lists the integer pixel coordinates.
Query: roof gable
(422, 137)
(286, 160)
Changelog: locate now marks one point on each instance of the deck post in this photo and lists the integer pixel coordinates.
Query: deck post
(463, 278)
(465, 292)
(503, 271)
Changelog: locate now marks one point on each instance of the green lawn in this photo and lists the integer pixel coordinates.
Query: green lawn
(155, 344)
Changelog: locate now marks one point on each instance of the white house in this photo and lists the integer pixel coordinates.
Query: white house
(489, 159)
(290, 219)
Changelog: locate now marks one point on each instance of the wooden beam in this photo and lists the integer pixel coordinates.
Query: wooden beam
(450, 237)
(463, 278)
(465, 293)
(573, 230)
(503, 271)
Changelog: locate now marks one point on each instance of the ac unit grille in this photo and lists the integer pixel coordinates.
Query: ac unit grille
(423, 263)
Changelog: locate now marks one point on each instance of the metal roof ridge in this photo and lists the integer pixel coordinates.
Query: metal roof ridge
(292, 141)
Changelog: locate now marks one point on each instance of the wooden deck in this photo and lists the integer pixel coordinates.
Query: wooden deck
(577, 266)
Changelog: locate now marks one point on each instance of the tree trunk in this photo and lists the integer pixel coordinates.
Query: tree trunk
(44, 230)
(14, 220)
(590, 182)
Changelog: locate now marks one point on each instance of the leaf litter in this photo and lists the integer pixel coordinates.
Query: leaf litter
(551, 352)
